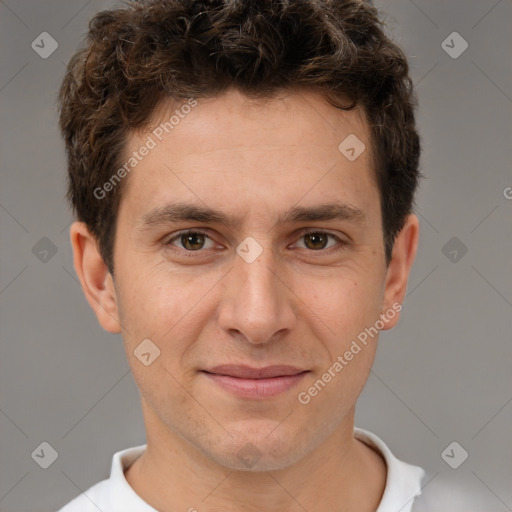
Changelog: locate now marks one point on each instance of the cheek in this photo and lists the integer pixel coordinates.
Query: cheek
(343, 314)
(155, 303)
(168, 309)
(344, 317)
(168, 313)
(344, 304)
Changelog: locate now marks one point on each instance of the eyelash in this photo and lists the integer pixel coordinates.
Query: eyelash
(341, 243)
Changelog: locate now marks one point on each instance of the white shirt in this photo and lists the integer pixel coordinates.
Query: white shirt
(115, 494)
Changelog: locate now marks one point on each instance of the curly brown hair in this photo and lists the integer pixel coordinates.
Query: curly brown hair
(148, 50)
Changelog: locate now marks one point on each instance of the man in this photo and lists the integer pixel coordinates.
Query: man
(243, 175)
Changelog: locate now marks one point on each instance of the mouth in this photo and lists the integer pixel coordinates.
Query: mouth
(255, 383)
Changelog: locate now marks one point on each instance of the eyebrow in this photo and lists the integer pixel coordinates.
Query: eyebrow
(176, 212)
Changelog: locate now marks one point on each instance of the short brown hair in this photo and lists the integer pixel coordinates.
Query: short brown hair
(148, 50)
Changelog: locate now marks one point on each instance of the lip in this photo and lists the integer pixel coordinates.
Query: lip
(249, 372)
(256, 383)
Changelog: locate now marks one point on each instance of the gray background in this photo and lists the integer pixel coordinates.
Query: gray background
(443, 375)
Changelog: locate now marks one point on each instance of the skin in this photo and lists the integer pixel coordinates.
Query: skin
(298, 303)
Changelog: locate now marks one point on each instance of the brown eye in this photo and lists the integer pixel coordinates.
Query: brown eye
(321, 242)
(192, 241)
(316, 241)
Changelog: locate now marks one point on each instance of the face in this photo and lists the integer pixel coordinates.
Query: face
(246, 239)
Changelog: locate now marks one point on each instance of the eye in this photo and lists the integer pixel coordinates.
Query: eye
(191, 241)
(319, 240)
(315, 241)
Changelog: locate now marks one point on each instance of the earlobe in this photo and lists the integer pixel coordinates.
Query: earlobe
(404, 252)
(95, 278)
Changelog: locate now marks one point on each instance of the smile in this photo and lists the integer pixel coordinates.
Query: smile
(255, 383)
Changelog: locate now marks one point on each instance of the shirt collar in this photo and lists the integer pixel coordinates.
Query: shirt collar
(403, 480)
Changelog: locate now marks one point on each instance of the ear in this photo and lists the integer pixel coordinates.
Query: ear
(402, 257)
(95, 278)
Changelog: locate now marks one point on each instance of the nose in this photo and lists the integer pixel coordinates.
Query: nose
(257, 304)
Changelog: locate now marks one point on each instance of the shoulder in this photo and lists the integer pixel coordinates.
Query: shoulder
(113, 494)
(450, 491)
(92, 500)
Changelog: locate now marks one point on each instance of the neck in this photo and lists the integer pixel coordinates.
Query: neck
(342, 474)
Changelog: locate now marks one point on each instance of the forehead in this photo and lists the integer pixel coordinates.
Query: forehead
(290, 117)
(242, 150)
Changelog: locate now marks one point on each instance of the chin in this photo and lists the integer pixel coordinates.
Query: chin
(258, 451)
